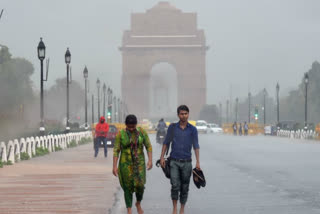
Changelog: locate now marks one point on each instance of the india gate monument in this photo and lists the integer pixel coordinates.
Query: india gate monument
(163, 63)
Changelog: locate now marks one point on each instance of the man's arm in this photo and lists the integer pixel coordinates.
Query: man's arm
(196, 148)
(197, 153)
(166, 143)
(164, 150)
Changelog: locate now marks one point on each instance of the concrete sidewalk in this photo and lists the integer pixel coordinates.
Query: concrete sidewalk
(69, 181)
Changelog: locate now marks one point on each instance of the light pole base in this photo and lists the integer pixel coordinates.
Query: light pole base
(42, 131)
(67, 129)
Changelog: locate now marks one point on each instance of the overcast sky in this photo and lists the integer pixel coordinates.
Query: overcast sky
(252, 43)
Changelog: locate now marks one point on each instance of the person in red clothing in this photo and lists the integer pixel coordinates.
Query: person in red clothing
(102, 129)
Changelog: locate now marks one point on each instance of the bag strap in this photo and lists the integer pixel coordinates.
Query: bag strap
(172, 134)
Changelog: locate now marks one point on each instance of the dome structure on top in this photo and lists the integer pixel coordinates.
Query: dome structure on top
(164, 6)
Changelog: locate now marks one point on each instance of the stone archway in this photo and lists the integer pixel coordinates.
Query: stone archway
(163, 93)
(163, 34)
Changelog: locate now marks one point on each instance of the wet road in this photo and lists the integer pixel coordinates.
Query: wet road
(247, 175)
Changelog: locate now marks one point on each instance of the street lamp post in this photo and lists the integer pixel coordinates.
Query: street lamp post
(220, 114)
(237, 102)
(306, 81)
(104, 99)
(1, 13)
(264, 106)
(41, 56)
(249, 107)
(124, 111)
(114, 109)
(85, 75)
(227, 111)
(118, 105)
(121, 112)
(68, 60)
(98, 86)
(278, 105)
(92, 109)
(109, 105)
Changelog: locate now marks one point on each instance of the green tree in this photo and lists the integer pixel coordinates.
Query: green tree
(16, 94)
(15, 84)
(292, 106)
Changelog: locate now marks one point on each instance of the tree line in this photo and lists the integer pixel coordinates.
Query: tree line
(20, 100)
(292, 104)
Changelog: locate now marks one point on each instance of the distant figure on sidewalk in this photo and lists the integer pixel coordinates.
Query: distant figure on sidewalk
(101, 131)
(129, 145)
(240, 129)
(235, 128)
(246, 128)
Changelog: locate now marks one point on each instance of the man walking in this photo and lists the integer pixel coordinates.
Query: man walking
(101, 131)
(234, 127)
(240, 129)
(246, 128)
(183, 136)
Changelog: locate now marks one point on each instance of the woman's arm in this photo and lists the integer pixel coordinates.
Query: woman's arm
(147, 144)
(115, 166)
(116, 152)
(149, 165)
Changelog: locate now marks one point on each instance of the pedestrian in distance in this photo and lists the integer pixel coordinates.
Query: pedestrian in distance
(235, 128)
(131, 169)
(161, 129)
(240, 129)
(246, 128)
(101, 132)
(183, 137)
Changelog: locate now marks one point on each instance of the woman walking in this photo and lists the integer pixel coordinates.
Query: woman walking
(129, 145)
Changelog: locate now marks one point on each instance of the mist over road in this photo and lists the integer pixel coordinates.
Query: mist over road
(245, 175)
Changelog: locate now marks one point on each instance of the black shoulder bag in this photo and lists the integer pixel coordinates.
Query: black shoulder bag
(166, 169)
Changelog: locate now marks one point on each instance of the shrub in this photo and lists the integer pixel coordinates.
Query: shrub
(7, 163)
(41, 151)
(24, 156)
(57, 148)
(85, 140)
(72, 144)
(1, 164)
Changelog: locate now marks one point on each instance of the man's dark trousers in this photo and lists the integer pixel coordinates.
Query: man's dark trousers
(97, 143)
(180, 173)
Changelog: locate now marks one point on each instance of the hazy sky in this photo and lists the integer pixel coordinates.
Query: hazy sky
(252, 42)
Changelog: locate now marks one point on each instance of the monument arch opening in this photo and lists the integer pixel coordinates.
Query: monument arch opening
(163, 91)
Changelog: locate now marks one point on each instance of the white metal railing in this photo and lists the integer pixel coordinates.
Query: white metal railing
(299, 134)
(12, 150)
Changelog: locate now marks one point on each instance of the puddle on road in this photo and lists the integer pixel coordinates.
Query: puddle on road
(118, 205)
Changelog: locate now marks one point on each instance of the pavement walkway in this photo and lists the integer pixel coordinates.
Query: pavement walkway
(68, 181)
